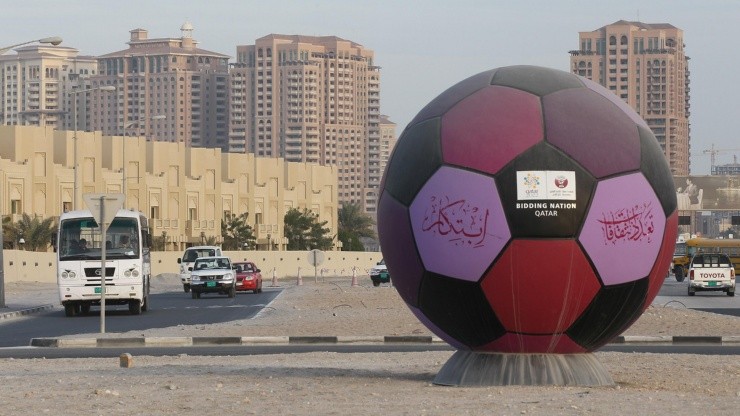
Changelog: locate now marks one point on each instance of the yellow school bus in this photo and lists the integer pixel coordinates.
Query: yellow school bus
(682, 258)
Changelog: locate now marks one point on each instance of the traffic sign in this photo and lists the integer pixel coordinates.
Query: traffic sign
(315, 257)
(104, 207)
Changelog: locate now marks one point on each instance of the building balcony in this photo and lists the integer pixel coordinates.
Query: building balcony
(193, 228)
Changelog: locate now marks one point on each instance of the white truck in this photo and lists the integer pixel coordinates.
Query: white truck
(711, 271)
(188, 258)
(79, 262)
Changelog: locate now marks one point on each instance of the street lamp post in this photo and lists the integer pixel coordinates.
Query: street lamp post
(75, 168)
(123, 146)
(54, 40)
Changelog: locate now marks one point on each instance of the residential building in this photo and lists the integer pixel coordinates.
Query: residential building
(311, 99)
(36, 85)
(185, 191)
(644, 64)
(378, 153)
(170, 77)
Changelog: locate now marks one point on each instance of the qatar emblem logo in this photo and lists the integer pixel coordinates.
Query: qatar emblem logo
(561, 181)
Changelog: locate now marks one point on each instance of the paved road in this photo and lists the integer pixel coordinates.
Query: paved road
(675, 294)
(168, 309)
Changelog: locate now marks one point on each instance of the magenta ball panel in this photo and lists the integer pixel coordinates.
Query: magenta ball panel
(624, 229)
(399, 252)
(591, 130)
(540, 286)
(458, 223)
(534, 344)
(498, 122)
(453, 95)
(620, 103)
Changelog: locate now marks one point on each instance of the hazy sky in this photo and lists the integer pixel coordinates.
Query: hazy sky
(423, 47)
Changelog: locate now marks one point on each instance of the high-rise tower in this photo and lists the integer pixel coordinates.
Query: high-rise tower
(644, 64)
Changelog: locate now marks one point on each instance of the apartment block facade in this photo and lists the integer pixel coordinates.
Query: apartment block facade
(310, 99)
(185, 191)
(167, 78)
(305, 99)
(36, 87)
(644, 64)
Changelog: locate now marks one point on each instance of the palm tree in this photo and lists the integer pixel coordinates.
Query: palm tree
(304, 231)
(353, 224)
(35, 232)
(237, 233)
(10, 233)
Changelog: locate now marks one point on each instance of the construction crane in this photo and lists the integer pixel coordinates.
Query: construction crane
(713, 155)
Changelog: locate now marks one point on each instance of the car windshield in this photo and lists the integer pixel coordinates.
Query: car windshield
(210, 264)
(244, 267)
(710, 260)
(191, 255)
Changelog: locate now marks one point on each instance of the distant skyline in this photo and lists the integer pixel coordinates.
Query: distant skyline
(423, 47)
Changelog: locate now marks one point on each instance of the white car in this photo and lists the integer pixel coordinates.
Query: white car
(188, 258)
(379, 273)
(213, 274)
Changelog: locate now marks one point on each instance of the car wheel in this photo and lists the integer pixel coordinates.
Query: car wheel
(376, 283)
(194, 295)
(232, 292)
(186, 288)
(730, 293)
(692, 292)
(70, 309)
(134, 306)
(85, 308)
(679, 274)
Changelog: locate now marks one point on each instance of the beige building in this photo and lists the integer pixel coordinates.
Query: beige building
(167, 77)
(379, 151)
(644, 64)
(313, 99)
(185, 191)
(36, 85)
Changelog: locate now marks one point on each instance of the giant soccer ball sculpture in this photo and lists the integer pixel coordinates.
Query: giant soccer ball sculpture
(527, 217)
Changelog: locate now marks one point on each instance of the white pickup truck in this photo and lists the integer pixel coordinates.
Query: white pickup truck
(711, 271)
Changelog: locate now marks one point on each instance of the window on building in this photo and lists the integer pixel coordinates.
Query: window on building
(16, 207)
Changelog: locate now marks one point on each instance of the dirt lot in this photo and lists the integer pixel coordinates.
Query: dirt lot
(361, 384)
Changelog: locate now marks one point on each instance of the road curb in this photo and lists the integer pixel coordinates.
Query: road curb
(284, 340)
(28, 311)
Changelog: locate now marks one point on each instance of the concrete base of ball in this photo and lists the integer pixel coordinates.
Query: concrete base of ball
(471, 369)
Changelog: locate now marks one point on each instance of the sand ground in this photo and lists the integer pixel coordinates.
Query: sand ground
(360, 384)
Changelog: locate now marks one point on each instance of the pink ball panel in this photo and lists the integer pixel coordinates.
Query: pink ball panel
(624, 229)
(458, 223)
(665, 259)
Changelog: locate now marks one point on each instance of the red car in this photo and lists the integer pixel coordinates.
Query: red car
(248, 277)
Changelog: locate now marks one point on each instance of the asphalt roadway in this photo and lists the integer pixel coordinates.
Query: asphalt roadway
(671, 292)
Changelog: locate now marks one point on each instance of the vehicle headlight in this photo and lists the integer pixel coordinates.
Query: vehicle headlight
(228, 276)
(249, 277)
(127, 273)
(194, 278)
(68, 274)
